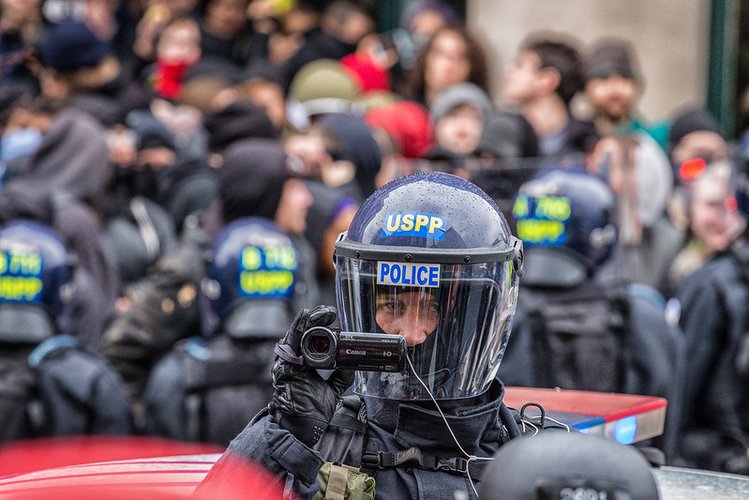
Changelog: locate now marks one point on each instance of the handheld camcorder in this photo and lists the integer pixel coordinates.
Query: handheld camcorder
(374, 352)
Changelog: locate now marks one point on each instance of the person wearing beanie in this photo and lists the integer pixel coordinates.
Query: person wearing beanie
(75, 61)
(542, 81)
(695, 134)
(613, 85)
(459, 114)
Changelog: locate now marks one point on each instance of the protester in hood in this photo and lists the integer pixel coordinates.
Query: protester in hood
(61, 184)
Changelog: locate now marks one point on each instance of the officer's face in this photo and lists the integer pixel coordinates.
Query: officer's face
(413, 315)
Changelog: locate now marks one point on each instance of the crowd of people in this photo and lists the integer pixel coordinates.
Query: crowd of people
(199, 159)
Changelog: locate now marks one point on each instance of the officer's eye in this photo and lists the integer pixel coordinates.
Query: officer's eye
(392, 306)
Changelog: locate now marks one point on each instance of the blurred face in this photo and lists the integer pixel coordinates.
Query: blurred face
(179, 43)
(122, 147)
(460, 130)
(710, 220)
(447, 63)
(613, 97)
(270, 97)
(412, 315)
(520, 79)
(16, 11)
(291, 215)
(356, 27)
(310, 149)
(426, 24)
(225, 18)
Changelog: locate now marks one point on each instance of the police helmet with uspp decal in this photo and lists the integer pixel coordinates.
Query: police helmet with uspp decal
(251, 278)
(567, 208)
(430, 257)
(35, 272)
(558, 464)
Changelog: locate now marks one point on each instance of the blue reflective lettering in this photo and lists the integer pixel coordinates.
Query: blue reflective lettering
(434, 276)
(422, 279)
(395, 274)
(384, 271)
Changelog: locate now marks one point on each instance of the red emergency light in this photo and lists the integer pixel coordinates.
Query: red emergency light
(625, 418)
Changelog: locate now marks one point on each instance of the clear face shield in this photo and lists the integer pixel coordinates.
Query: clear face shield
(456, 319)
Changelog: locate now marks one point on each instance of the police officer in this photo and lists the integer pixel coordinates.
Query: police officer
(428, 257)
(49, 384)
(716, 323)
(208, 387)
(573, 329)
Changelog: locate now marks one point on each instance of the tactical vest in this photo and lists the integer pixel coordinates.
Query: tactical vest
(23, 398)
(579, 336)
(350, 471)
(225, 386)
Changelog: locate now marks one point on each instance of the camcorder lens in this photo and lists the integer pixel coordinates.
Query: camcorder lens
(319, 345)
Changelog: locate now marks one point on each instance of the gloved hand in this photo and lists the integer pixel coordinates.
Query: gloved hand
(303, 402)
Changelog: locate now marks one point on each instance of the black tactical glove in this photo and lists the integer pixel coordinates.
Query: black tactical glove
(303, 402)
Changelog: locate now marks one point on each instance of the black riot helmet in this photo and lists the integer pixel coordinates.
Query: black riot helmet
(558, 464)
(430, 257)
(251, 278)
(567, 208)
(35, 272)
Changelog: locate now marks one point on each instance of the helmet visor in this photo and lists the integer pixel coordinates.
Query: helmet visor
(456, 319)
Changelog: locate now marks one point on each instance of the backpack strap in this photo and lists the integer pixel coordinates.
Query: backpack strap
(35, 409)
(146, 227)
(203, 373)
(51, 346)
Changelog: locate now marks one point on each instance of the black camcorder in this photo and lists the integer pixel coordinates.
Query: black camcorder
(374, 352)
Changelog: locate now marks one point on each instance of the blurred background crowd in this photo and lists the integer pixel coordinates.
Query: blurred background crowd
(192, 162)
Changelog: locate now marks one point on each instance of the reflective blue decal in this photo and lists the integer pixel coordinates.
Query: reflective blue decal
(418, 224)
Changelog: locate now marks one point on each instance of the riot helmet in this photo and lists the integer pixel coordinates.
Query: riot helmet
(570, 209)
(430, 257)
(558, 464)
(35, 272)
(251, 278)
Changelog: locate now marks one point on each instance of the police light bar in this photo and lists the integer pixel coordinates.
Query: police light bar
(624, 418)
